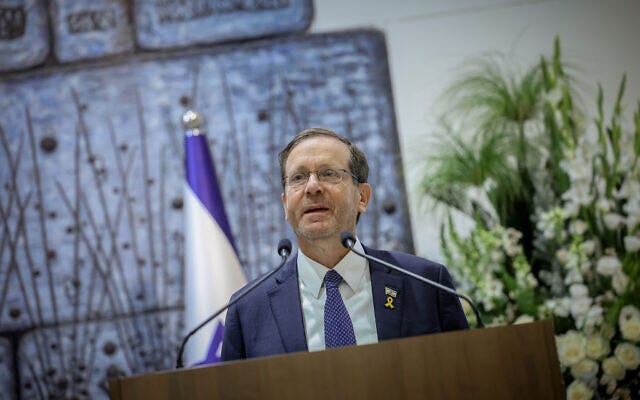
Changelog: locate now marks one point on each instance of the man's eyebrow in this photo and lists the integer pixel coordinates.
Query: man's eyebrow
(322, 166)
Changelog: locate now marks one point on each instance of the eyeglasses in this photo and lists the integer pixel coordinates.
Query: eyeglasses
(298, 180)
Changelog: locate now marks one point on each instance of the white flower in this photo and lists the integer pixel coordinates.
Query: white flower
(580, 306)
(608, 265)
(480, 196)
(620, 282)
(597, 347)
(491, 289)
(562, 255)
(548, 234)
(489, 184)
(552, 279)
(523, 319)
(594, 317)
(554, 96)
(585, 266)
(573, 276)
(625, 189)
(573, 261)
(632, 208)
(588, 247)
(631, 330)
(571, 348)
(585, 370)
(550, 223)
(511, 236)
(497, 256)
(578, 227)
(571, 207)
(530, 280)
(578, 290)
(577, 390)
(603, 204)
(560, 307)
(627, 158)
(629, 322)
(628, 355)
(632, 243)
(613, 368)
(613, 220)
(512, 250)
(628, 312)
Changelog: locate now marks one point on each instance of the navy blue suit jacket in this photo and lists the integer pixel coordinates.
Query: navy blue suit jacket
(269, 320)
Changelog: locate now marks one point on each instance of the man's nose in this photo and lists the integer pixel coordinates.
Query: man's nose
(313, 184)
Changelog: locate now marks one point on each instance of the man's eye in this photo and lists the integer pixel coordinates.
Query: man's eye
(297, 178)
(329, 173)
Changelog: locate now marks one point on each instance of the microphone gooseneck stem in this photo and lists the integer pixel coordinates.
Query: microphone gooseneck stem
(284, 253)
(350, 242)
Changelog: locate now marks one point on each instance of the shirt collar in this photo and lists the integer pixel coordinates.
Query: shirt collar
(352, 268)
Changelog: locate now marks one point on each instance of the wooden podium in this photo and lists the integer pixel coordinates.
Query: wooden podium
(513, 362)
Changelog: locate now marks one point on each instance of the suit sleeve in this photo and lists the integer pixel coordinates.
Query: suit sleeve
(233, 342)
(450, 310)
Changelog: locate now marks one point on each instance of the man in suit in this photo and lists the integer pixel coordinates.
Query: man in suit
(325, 189)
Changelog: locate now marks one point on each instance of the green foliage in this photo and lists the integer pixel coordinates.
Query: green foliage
(557, 212)
(496, 106)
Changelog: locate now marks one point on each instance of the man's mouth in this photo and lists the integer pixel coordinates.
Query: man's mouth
(315, 210)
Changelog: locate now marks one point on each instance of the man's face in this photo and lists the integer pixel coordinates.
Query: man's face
(320, 210)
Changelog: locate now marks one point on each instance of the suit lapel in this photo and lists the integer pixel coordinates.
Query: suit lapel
(285, 305)
(388, 312)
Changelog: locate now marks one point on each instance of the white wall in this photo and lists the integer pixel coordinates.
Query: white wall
(428, 39)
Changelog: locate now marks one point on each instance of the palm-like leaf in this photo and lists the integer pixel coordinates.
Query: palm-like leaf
(461, 164)
(494, 94)
(493, 107)
(506, 122)
(491, 98)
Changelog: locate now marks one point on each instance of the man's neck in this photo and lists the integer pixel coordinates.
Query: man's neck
(327, 252)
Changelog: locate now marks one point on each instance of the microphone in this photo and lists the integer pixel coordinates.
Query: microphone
(284, 250)
(348, 241)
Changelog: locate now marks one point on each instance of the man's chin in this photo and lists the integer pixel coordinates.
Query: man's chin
(317, 232)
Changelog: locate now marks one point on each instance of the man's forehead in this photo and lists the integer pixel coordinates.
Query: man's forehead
(320, 150)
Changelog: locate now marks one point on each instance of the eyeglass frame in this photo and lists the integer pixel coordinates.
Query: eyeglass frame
(308, 174)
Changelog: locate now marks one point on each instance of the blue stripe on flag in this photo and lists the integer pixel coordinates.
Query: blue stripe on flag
(213, 271)
(201, 177)
(215, 347)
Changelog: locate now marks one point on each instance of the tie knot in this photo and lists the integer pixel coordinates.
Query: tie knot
(332, 279)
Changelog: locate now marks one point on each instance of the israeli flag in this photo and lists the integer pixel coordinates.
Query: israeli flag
(213, 271)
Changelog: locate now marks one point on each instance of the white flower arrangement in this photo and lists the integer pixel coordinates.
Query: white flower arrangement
(555, 238)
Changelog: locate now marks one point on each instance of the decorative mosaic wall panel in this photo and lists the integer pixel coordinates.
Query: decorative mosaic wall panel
(173, 23)
(7, 389)
(91, 170)
(100, 350)
(24, 35)
(88, 30)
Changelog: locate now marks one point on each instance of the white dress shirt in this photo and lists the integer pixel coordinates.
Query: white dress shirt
(356, 294)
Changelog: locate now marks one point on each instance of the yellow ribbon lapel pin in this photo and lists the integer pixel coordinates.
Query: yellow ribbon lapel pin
(391, 295)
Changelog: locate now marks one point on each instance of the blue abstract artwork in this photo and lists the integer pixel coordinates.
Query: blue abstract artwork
(91, 175)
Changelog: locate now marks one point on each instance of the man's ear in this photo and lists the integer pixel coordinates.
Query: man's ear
(283, 197)
(365, 196)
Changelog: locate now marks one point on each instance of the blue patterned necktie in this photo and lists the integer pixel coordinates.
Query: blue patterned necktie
(338, 329)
